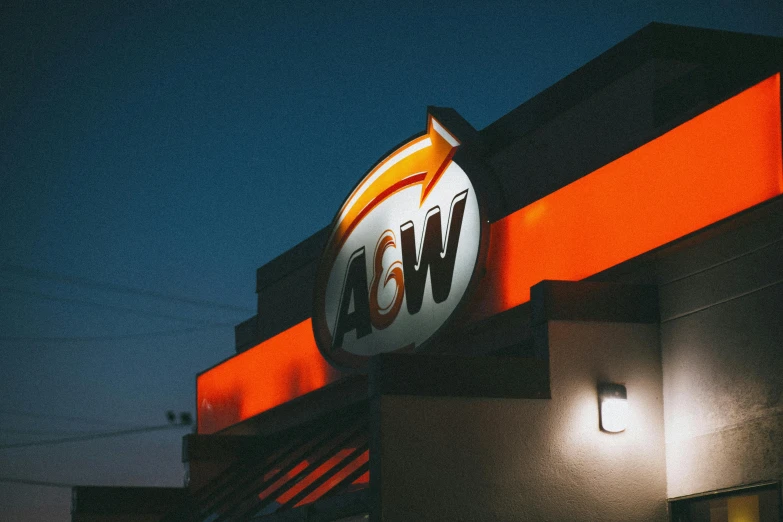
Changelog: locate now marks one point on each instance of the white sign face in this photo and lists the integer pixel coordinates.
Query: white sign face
(402, 253)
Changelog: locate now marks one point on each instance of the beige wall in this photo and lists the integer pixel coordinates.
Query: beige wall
(456, 459)
(722, 346)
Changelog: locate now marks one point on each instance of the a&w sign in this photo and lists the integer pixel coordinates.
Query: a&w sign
(401, 255)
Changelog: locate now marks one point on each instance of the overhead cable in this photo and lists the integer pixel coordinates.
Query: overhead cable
(94, 436)
(107, 306)
(48, 416)
(122, 337)
(113, 287)
(13, 431)
(28, 482)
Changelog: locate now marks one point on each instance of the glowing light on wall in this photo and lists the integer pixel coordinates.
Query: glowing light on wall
(613, 401)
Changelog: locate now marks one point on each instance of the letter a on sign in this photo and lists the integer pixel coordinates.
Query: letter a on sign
(402, 253)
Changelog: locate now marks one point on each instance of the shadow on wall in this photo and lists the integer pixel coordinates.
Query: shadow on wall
(296, 381)
(219, 411)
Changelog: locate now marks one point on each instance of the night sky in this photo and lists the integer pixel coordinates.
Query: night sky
(152, 156)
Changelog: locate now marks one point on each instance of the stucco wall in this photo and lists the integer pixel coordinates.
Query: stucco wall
(722, 349)
(545, 460)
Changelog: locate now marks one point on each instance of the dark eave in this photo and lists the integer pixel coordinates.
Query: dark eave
(735, 54)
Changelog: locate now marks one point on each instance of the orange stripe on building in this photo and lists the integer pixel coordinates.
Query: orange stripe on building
(721, 162)
(279, 369)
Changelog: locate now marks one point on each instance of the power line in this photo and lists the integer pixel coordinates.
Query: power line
(112, 287)
(49, 416)
(27, 482)
(72, 300)
(94, 436)
(4, 431)
(100, 338)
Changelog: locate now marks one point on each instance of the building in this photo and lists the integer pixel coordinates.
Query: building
(630, 243)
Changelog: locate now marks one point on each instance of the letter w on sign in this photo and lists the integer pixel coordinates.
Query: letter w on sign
(432, 254)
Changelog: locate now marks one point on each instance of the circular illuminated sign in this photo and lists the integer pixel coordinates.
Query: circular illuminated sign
(401, 255)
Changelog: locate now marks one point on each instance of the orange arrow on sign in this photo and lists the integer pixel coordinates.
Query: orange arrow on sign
(420, 161)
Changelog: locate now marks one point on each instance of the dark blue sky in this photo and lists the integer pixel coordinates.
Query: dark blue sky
(177, 148)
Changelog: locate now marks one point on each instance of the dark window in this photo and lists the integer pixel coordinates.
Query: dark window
(752, 504)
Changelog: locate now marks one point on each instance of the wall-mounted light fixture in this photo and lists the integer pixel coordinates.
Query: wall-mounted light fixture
(613, 402)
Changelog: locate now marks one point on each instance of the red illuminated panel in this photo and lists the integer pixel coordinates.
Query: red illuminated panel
(724, 160)
(276, 371)
(294, 482)
(338, 477)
